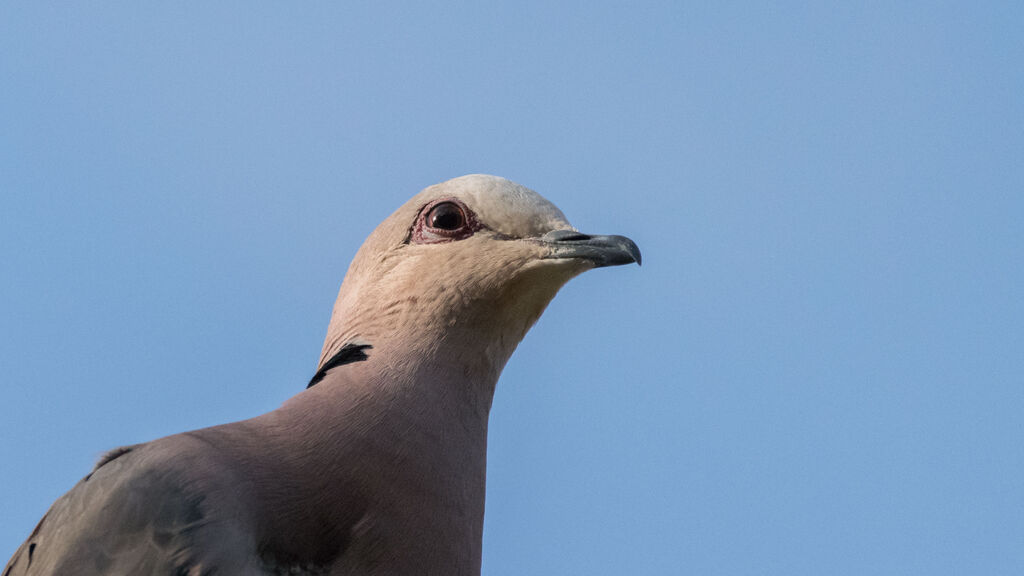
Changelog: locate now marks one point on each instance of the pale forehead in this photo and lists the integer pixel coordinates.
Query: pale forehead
(503, 205)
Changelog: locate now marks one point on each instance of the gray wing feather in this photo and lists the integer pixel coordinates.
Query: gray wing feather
(129, 516)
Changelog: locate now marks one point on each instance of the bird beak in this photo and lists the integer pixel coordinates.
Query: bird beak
(601, 250)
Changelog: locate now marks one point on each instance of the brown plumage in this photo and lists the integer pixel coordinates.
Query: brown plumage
(379, 466)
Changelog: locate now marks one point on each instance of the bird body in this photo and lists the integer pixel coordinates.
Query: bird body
(379, 466)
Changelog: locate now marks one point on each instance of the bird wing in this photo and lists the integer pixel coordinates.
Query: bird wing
(126, 517)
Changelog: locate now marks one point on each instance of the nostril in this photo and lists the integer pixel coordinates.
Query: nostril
(566, 236)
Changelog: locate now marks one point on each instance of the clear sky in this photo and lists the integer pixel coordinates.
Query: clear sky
(818, 370)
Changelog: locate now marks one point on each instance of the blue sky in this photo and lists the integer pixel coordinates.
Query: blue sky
(818, 369)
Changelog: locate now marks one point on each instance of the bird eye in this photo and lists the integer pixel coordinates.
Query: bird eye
(446, 216)
(444, 220)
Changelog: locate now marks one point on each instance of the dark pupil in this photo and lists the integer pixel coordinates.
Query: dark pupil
(445, 216)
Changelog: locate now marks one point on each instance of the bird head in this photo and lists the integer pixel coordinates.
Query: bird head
(474, 255)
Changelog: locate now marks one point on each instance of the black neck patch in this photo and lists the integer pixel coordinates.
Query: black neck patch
(348, 354)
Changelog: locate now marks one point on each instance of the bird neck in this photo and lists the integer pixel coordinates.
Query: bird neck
(410, 426)
(455, 360)
(455, 369)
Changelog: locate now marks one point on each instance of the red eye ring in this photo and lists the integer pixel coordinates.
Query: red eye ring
(443, 220)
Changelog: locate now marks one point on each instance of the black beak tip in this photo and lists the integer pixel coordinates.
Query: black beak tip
(619, 250)
(634, 251)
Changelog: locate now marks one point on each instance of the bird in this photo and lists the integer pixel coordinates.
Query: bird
(378, 465)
